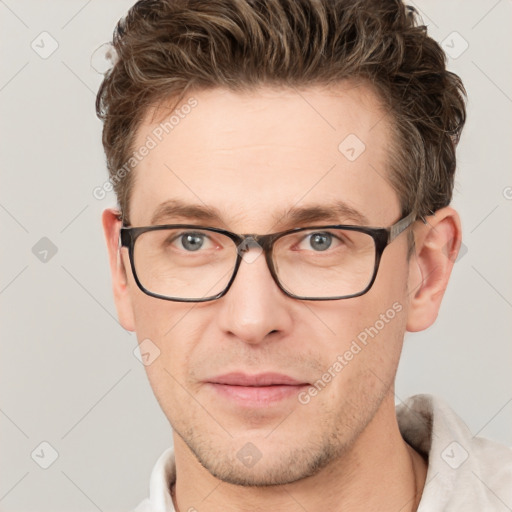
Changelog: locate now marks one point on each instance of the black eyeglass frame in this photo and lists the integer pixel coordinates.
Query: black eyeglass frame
(382, 237)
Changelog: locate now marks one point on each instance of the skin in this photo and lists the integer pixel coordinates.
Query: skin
(250, 155)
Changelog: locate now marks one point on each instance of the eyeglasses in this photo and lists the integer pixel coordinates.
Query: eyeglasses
(189, 263)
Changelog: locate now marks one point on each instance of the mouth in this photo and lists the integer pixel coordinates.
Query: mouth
(261, 390)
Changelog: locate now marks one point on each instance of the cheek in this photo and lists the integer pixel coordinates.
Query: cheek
(157, 325)
(360, 365)
(171, 331)
(153, 317)
(379, 312)
(162, 333)
(365, 334)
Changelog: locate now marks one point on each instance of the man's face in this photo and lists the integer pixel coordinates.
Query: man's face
(253, 156)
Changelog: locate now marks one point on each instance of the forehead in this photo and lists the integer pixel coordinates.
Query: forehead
(254, 154)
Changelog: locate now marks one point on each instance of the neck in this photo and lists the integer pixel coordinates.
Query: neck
(379, 472)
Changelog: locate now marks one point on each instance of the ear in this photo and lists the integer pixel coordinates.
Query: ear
(118, 262)
(437, 244)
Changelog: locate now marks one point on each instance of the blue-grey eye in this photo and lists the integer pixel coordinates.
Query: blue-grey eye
(192, 241)
(320, 241)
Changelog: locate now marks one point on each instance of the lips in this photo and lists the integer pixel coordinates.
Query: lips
(261, 379)
(255, 391)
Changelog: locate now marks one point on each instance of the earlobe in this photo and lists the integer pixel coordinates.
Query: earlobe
(120, 285)
(437, 245)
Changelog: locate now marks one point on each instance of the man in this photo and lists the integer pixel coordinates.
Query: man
(284, 172)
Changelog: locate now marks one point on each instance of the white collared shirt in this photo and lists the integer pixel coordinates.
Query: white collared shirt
(465, 473)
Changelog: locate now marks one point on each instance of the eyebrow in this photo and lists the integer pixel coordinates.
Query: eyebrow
(336, 212)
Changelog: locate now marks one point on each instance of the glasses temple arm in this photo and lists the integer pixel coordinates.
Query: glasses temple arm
(402, 225)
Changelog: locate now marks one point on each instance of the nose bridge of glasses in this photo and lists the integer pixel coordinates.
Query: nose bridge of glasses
(253, 240)
(251, 246)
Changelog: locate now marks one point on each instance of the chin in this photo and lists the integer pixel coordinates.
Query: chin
(250, 467)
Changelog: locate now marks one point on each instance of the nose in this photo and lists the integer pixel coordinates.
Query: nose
(254, 306)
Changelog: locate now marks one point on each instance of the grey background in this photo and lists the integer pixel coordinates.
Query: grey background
(68, 374)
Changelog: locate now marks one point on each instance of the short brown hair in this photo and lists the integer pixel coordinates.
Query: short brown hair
(166, 48)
